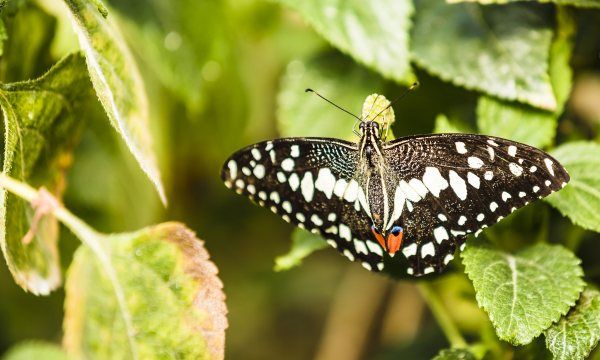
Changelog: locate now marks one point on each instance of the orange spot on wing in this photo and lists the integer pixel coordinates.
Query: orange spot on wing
(379, 238)
(394, 242)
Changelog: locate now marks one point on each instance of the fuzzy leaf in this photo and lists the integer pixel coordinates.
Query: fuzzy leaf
(41, 119)
(29, 350)
(454, 354)
(515, 121)
(304, 243)
(524, 293)
(576, 3)
(501, 51)
(173, 301)
(374, 33)
(303, 114)
(117, 81)
(580, 199)
(576, 334)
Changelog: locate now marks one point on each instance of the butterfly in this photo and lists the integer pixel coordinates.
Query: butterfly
(372, 200)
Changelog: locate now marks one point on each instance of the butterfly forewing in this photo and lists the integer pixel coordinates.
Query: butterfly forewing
(451, 185)
(310, 183)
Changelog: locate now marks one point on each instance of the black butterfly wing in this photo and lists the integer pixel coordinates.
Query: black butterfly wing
(310, 183)
(450, 185)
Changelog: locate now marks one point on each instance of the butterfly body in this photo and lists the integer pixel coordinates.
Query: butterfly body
(416, 197)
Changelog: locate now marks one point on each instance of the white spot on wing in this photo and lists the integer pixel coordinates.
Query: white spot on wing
(448, 258)
(294, 181)
(493, 206)
(366, 266)
(462, 220)
(287, 206)
(345, 232)
(428, 270)
(351, 193)
(491, 153)
(536, 189)
(488, 175)
(332, 243)
(349, 255)
(259, 171)
(375, 248)
(505, 196)
(255, 153)
(475, 162)
(340, 187)
(480, 217)
(549, 164)
(522, 194)
(281, 177)
(515, 169)
(232, 165)
(325, 182)
(427, 249)
(287, 164)
(458, 185)
(316, 220)
(409, 192)
(294, 151)
(360, 247)
(512, 150)
(440, 234)
(274, 196)
(418, 186)
(442, 217)
(307, 187)
(460, 147)
(410, 250)
(473, 180)
(434, 181)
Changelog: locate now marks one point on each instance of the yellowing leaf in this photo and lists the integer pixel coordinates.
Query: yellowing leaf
(164, 301)
(41, 119)
(117, 81)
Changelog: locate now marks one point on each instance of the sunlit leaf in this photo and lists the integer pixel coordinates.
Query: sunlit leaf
(580, 199)
(29, 350)
(117, 81)
(304, 114)
(523, 293)
(576, 334)
(3, 36)
(303, 244)
(445, 125)
(374, 33)
(501, 51)
(41, 118)
(561, 51)
(517, 122)
(173, 304)
(454, 354)
(576, 3)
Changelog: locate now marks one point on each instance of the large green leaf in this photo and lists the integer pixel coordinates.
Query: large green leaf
(515, 121)
(304, 243)
(501, 51)
(41, 119)
(117, 81)
(374, 33)
(576, 3)
(576, 334)
(580, 199)
(304, 114)
(524, 123)
(157, 295)
(523, 293)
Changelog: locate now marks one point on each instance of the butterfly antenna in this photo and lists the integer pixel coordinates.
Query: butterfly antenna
(411, 88)
(332, 103)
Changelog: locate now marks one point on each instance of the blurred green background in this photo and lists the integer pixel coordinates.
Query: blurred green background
(216, 73)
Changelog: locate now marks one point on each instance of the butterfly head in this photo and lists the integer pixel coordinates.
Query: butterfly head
(370, 128)
(391, 241)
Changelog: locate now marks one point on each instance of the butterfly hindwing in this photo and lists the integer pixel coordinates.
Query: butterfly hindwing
(451, 185)
(308, 182)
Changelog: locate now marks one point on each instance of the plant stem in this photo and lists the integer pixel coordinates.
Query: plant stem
(441, 315)
(87, 235)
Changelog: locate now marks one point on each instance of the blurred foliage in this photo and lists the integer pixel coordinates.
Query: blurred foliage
(179, 85)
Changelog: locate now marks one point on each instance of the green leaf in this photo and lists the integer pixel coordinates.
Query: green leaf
(373, 33)
(580, 199)
(3, 36)
(576, 3)
(561, 74)
(444, 125)
(524, 293)
(515, 121)
(117, 81)
(304, 114)
(576, 334)
(28, 350)
(454, 354)
(501, 51)
(42, 119)
(304, 243)
(165, 300)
